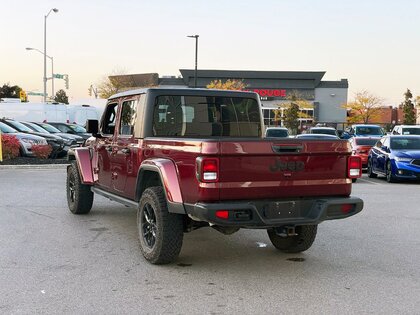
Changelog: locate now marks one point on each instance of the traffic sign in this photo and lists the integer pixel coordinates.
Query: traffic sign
(58, 76)
(22, 95)
(35, 93)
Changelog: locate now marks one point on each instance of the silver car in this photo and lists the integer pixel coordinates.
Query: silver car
(25, 140)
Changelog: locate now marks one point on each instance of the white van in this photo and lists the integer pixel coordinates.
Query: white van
(78, 114)
(36, 112)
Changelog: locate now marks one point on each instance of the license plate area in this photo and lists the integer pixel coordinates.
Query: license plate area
(282, 210)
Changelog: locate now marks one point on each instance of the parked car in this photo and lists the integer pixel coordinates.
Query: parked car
(26, 141)
(56, 142)
(361, 147)
(406, 130)
(323, 130)
(396, 157)
(73, 129)
(363, 130)
(68, 142)
(77, 140)
(276, 132)
(315, 136)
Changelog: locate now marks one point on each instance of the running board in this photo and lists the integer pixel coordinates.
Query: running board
(113, 197)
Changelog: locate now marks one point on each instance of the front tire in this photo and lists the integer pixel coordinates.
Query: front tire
(389, 177)
(370, 172)
(79, 196)
(294, 244)
(160, 232)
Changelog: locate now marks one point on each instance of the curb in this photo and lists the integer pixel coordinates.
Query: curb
(34, 167)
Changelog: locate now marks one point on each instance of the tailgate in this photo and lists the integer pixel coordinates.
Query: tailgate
(267, 169)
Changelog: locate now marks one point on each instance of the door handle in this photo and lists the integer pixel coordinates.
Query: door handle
(126, 151)
(289, 148)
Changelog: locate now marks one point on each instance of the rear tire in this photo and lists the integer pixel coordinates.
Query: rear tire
(79, 196)
(294, 244)
(160, 232)
(370, 172)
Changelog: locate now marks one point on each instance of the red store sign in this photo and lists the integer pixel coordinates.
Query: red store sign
(270, 92)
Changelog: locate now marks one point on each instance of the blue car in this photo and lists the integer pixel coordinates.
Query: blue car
(396, 157)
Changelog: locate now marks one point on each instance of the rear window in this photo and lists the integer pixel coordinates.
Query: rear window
(374, 131)
(277, 133)
(324, 131)
(370, 142)
(206, 116)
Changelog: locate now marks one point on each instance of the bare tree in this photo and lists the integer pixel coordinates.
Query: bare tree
(108, 87)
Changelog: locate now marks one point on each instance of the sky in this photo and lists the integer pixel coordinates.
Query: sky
(375, 44)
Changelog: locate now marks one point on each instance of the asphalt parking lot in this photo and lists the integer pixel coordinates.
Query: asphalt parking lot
(54, 262)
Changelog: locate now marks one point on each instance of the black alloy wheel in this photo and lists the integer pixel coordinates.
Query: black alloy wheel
(148, 225)
(79, 195)
(160, 232)
(71, 184)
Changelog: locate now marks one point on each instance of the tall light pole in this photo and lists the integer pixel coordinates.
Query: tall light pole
(45, 52)
(52, 68)
(196, 56)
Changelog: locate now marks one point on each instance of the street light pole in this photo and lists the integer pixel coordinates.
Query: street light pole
(45, 52)
(52, 76)
(52, 67)
(196, 57)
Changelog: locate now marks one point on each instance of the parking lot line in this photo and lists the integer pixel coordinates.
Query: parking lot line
(368, 181)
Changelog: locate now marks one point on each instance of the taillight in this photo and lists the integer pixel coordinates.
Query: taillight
(346, 208)
(207, 169)
(354, 166)
(222, 214)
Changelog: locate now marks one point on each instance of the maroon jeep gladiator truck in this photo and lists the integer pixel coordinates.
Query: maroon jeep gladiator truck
(189, 158)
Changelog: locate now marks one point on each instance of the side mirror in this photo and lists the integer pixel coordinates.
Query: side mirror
(92, 126)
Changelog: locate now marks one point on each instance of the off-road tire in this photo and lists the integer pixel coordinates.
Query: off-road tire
(294, 244)
(389, 177)
(79, 196)
(160, 232)
(370, 172)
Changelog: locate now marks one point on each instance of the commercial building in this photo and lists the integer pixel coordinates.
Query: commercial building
(325, 99)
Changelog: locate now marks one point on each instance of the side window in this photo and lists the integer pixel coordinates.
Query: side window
(168, 116)
(387, 142)
(108, 123)
(128, 118)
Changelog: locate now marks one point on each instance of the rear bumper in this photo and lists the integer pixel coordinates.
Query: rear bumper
(269, 213)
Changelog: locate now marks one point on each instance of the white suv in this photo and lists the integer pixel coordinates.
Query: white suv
(406, 130)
